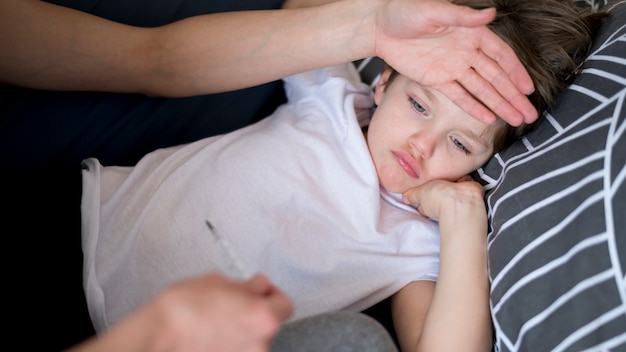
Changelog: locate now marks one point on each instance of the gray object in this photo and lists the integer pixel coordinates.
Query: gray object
(334, 332)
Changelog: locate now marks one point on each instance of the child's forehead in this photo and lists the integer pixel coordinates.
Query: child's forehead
(483, 132)
(431, 94)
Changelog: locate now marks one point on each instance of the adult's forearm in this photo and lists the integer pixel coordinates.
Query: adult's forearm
(234, 50)
(53, 47)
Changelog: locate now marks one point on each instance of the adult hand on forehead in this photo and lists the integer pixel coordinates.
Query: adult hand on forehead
(449, 48)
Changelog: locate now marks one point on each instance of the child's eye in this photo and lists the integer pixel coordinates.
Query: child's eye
(457, 143)
(417, 106)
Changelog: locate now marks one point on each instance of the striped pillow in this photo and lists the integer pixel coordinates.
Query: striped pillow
(557, 205)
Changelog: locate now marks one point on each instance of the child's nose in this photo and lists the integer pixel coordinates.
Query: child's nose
(423, 144)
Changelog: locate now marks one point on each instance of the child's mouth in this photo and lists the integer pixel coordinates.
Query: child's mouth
(407, 163)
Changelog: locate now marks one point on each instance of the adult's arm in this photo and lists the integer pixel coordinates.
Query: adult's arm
(208, 313)
(453, 313)
(52, 47)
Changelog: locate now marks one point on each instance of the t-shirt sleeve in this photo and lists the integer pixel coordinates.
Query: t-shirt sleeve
(303, 84)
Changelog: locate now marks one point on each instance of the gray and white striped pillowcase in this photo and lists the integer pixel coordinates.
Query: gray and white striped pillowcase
(557, 205)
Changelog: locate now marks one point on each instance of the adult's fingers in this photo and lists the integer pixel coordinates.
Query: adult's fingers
(500, 66)
(496, 96)
(277, 299)
(467, 102)
(462, 16)
(498, 50)
(494, 85)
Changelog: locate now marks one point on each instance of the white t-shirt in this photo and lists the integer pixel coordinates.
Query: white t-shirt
(294, 196)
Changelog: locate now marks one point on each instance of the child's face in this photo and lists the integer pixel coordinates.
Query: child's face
(417, 135)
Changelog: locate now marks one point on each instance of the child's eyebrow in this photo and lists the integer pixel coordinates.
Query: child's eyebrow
(429, 94)
(485, 139)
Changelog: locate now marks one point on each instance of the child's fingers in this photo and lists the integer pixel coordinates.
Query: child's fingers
(465, 178)
(411, 196)
(415, 197)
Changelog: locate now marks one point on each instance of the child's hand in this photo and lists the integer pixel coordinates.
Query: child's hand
(438, 196)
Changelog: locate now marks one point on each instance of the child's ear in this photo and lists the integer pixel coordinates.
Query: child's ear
(381, 86)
